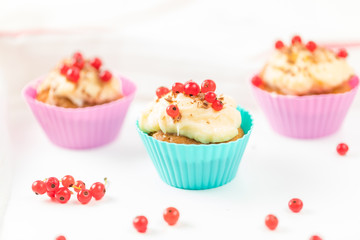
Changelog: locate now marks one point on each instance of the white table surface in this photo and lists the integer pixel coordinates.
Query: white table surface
(274, 169)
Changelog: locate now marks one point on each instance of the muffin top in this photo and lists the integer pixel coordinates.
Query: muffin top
(81, 81)
(305, 69)
(185, 111)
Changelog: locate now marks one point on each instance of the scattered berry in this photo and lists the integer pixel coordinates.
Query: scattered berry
(62, 195)
(271, 221)
(73, 74)
(105, 76)
(279, 45)
(39, 187)
(140, 223)
(217, 105)
(171, 215)
(84, 196)
(63, 69)
(210, 97)
(191, 88)
(68, 181)
(256, 80)
(296, 39)
(295, 205)
(97, 190)
(177, 87)
(60, 238)
(78, 55)
(342, 149)
(207, 86)
(51, 194)
(78, 186)
(172, 111)
(311, 46)
(342, 53)
(52, 184)
(315, 237)
(354, 81)
(96, 63)
(161, 91)
(78, 63)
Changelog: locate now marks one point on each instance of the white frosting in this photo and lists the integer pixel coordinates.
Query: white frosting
(203, 125)
(297, 71)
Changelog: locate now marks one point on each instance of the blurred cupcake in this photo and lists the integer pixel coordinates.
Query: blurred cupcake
(305, 90)
(78, 104)
(194, 137)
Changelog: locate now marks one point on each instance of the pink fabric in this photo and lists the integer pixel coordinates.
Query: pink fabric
(81, 128)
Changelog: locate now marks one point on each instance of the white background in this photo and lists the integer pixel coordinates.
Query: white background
(157, 43)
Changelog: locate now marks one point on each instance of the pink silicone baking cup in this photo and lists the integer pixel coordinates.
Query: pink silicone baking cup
(306, 117)
(81, 128)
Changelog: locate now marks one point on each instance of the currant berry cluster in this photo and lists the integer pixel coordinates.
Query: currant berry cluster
(51, 186)
(311, 46)
(171, 216)
(72, 71)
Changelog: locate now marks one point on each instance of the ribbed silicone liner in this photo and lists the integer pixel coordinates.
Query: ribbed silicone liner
(198, 167)
(81, 128)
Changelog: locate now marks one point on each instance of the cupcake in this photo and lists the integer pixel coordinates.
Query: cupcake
(78, 104)
(305, 90)
(194, 137)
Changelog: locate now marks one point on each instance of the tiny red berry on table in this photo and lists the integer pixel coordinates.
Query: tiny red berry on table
(78, 63)
(296, 39)
(210, 97)
(342, 149)
(161, 91)
(311, 46)
(177, 87)
(78, 55)
(217, 105)
(191, 88)
(295, 205)
(315, 237)
(279, 45)
(207, 86)
(62, 195)
(68, 181)
(39, 187)
(78, 186)
(256, 81)
(97, 190)
(271, 221)
(84, 196)
(60, 238)
(140, 223)
(96, 63)
(73, 74)
(171, 215)
(51, 193)
(52, 184)
(172, 111)
(105, 76)
(342, 53)
(63, 69)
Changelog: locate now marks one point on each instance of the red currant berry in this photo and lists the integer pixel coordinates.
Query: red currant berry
(342, 53)
(161, 91)
(207, 86)
(78, 186)
(256, 81)
(105, 76)
(96, 63)
(84, 196)
(171, 215)
(68, 181)
(140, 223)
(295, 205)
(342, 149)
(62, 195)
(78, 55)
(78, 63)
(51, 193)
(311, 46)
(39, 187)
(172, 111)
(178, 87)
(60, 238)
(191, 88)
(217, 105)
(279, 45)
(97, 190)
(315, 237)
(63, 69)
(271, 221)
(210, 97)
(296, 39)
(73, 74)
(52, 184)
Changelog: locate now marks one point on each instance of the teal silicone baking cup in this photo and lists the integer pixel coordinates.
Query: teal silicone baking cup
(197, 167)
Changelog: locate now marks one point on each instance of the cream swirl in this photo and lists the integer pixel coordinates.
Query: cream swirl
(296, 71)
(197, 122)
